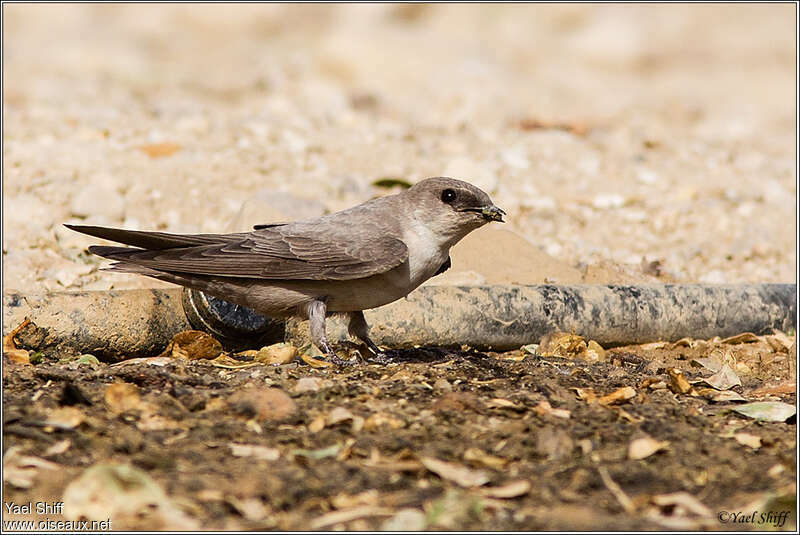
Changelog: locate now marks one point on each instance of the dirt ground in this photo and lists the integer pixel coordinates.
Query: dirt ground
(627, 143)
(438, 440)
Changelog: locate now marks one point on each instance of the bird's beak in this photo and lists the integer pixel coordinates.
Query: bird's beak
(492, 213)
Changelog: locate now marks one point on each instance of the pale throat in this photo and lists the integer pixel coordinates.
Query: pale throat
(427, 250)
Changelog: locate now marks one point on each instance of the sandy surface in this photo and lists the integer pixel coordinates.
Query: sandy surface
(610, 134)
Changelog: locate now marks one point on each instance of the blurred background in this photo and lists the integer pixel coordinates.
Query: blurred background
(661, 137)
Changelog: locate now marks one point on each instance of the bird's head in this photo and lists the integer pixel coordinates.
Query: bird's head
(452, 208)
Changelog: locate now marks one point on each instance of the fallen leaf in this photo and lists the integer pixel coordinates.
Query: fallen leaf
(726, 395)
(530, 348)
(20, 470)
(480, 456)
(513, 489)
(193, 345)
(594, 352)
(678, 382)
(709, 363)
(315, 363)
(276, 354)
(724, 379)
(257, 452)
(160, 150)
(618, 396)
(347, 515)
(747, 439)
(460, 475)
(544, 408)
(684, 502)
(561, 344)
(744, 338)
(10, 350)
(330, 451)
(644, 447)
(499, 403)
(771, 411)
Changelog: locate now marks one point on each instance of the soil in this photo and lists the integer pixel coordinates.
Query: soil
(627, 143)
(483, 412)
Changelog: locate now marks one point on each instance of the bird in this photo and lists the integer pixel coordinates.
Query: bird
(341, 263)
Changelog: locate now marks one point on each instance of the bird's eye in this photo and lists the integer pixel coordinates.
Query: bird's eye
(448, 196)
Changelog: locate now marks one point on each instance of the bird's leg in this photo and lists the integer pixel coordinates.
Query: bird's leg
(357, 326)
(317, 310)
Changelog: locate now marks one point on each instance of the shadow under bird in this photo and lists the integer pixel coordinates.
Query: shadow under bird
(343, 263)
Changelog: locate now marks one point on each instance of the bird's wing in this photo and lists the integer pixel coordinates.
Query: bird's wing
(287, 252)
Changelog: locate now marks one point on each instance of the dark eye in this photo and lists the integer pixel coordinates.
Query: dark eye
(448, 195)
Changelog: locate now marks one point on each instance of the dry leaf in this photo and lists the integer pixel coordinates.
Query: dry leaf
(678, 382)
(771, 411)
(724, 379)
(594, 352)
(480, 456)
(10, 350)
(747, 439)
(709, 363)
(499, 403)
(514, 489)
(683, 502)
(315, 363)
(618, 396)
(544, 408)
(642, 448)
(726, 396)
(276, 354)
(460, 475)
(257, 452)
(193, 345)
(160, 150)
(561, 344)
(744, 338)
(346, 515)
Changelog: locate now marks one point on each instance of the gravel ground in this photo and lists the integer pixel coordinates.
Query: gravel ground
(608, 133)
